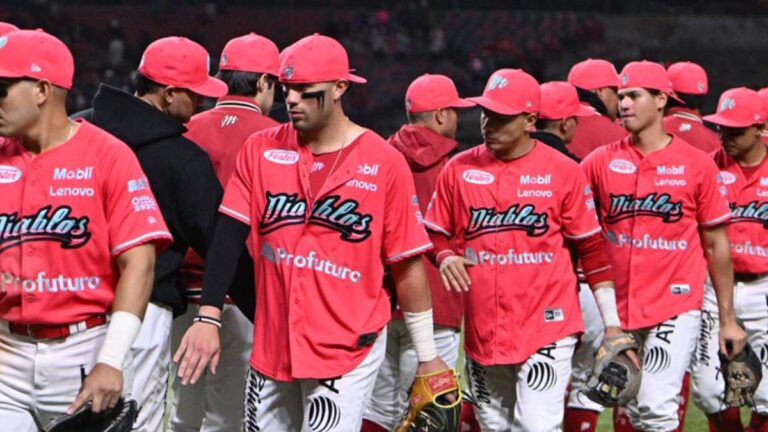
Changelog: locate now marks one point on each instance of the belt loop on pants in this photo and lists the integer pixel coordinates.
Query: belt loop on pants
(52, 331)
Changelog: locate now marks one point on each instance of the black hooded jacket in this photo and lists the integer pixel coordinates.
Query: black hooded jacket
(181, 176)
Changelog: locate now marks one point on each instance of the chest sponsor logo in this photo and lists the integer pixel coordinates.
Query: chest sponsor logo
(332, 212)
(536, 179)
(763, 181)
(670, 170)
(523, 218)
(9, 174)
(622, 166)
(359, 184)
(478, 177)
(754, 211)
(71, 192)
(311, 261)
(655, 205)
(728, 177)
(282, 157)
(45, 283)
(46, 225)
(73, 173)
(369, 170)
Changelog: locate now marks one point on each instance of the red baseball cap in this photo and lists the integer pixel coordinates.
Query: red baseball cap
(560, 100)
(251, 53)
(36, 54)
(431, 92)
(738, 107)
(510, 92)
(645, 74)
(179, 62)
(688, 77)
(316, 58)
(7, 28)
(763, 92)
(592, 74)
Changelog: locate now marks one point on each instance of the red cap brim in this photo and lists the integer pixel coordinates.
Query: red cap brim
(494, 106)
(586, 111)
(356, 79)
(4, 73)
(212, 87)
(722, 121)
(462, 103)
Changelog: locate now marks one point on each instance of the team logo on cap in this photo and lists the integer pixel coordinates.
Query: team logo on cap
(624, 79)
(727, 104)
(3, 41)
(497, 82)
(35, 68)
(223, 61)
(288, 72)
(701, 86)
(408, 103)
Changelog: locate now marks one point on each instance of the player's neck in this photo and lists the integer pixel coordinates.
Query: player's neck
(49, 132)
(754, 156)
(515, 150)
(651, 138)
(335, 134)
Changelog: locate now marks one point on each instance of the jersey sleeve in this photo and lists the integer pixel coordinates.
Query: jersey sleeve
(132, 213)
(712, 197)
(578, 208)
(439, 216)
(404, 233)
(237, 195)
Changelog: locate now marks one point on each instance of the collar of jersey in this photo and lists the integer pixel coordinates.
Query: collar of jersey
(242, 102)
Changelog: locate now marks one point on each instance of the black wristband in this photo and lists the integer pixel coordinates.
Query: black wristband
(207, 320)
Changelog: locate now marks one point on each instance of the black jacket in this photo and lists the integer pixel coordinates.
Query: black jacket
(555, 142)
(181, 176)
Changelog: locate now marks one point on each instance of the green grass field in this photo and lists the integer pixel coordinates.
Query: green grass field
(695, 421)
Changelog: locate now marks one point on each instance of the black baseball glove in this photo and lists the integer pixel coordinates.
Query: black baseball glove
(615, 379)
(118, 419)
(742, 376)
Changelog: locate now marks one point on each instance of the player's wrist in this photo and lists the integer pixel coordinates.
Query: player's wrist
(420, 326)
(442, 255)
(121, 333)
(605, 297)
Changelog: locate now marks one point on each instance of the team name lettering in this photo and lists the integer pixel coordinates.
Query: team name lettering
(626, 206)
(46, 224)
(755, 211)
(332, 212)
(73, 174)
(487, 220)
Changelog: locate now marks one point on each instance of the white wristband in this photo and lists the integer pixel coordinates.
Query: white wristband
(606, 302)
(122, 331)
(421, 328)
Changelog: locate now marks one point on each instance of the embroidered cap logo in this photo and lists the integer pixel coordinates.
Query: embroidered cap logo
(288, 72)
(727, 104)
(3, 41)
(497, 82)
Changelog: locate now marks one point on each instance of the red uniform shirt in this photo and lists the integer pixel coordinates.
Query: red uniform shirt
(593, 132)
(64, 216)
(652, 207)
(221, 132)
(688, 125)
(320, 300)
(748, 229)
(512, 219)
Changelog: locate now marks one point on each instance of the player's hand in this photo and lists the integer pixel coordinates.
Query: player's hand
(199, 348)
(733, 338)
(630, 353)
(103, 386)
(454, 273)
(435, 365)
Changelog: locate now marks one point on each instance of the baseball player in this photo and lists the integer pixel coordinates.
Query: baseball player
(596, 81)
(511, 207)
(764, 96)
(323, 196)
(77, 244)
(740, 116)
(6, 28)
(171, 80)
(663, 209)
(691, 85)
(249, 66)
(426, 142)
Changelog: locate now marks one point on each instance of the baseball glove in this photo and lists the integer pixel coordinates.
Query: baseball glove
(615, 379)
(118, 419)
(429, 409)
(742, 375)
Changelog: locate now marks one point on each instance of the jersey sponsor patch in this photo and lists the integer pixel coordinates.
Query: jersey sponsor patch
(282, 157)
(137, 184)
(478, 177)
(9, 174)
(622, 166)
(73, 174)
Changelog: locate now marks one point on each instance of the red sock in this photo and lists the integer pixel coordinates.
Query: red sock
(369, 426)
(728, 420)
(685, 392)
(580, 420)
(621, 421)
(758, 423)
(468, 419)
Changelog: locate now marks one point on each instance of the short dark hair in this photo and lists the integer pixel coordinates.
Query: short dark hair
(419, 117)
(692, 101)
(244, 83)
(542, 124)
(143, 85)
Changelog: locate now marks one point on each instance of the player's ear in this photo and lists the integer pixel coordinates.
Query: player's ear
(167, 94)
(661, 101)
(43, 91)
(339, 88)
(530, 121)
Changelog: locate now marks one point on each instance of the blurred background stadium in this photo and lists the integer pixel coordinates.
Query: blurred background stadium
(391, 43)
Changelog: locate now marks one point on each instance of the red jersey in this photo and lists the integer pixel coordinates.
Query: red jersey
(64, 217)
(320, 254)
(427, 153)
(748, 228)
(512, 218)
(688, 125)
(593, 132)
(652, 208)
(221, 132)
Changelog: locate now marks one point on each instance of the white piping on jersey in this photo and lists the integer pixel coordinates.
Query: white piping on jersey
(126, 245)
(238, 104)
(438, 228)
(687, 116)
(405, 254)
(239, 216)
(716, 221)
(583, 236)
